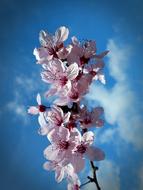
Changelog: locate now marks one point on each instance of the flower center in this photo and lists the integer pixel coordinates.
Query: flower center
(83, 60)
(71, 125)
(63, 145)
(81, 149)
(74, 95)
(42, 108)
(93, 73)
(87, 121)
(63, 80)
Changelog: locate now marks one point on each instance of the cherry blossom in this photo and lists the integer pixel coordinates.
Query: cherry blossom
(89, 119)
(52, 46)
(56, 116)
(59, 75)
(84, 148)
(61, 147)
(34, 110)
(70, 70)
(81, 53)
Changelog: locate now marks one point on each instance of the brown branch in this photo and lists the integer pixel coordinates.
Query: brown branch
(94, 169)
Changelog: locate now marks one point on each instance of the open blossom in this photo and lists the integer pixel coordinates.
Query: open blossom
(81, 53)
(56, 116)
(84, 149)
(89, 119)
(52, 46)
(37, 109)
(96, 71)
(59, 75)
(62, 146)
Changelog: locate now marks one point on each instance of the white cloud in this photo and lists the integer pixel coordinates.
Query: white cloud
(16, 107)
(108, 177)
(120, 103)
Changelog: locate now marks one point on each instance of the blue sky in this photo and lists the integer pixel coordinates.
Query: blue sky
(115, 25)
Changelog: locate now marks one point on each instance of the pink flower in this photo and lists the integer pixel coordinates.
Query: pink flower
(52, 46)
(56, 117)
(55, 166)
(81, 53)
(89, 119)
(96, 71)
(34, 110)
(78, 90)
(59, 75)
(61, 147)
(84, 148)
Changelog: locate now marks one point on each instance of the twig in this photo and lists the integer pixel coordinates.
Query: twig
(85, 183)
(94, 169)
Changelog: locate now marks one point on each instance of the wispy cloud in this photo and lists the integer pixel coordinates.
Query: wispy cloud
(24, 88)
(16, 107)
(122, 108)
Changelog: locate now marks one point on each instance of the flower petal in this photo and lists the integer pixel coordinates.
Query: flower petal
(49, 165)
(59, 174)
(38, 99)
(58, 134)
(61, 34)
(33, 110)
(78, 162)
(72, 71)
(66, 117)
(51, 153)
(95, 154)
(45, 38)
(88, 138)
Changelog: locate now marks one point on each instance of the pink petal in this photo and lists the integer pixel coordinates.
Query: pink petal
(61, 34)
(95, 154)
(78, 162)
(45, 128)
(58, 134)
(49, 165)
(66, 117)
(75, 41)
(59, 174)
(72, 71)
(42, 55)
(39, 99)
(101, 55)
(51, 153)
(88, 138)
(33, 110)
(45, 38)
(48, 77)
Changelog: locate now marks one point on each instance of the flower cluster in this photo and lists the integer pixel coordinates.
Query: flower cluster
(69, 69)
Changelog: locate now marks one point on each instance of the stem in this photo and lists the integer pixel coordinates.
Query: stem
(85, 183)
(94, 169)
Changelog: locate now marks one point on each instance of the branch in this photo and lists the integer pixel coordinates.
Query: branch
(94, 179)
